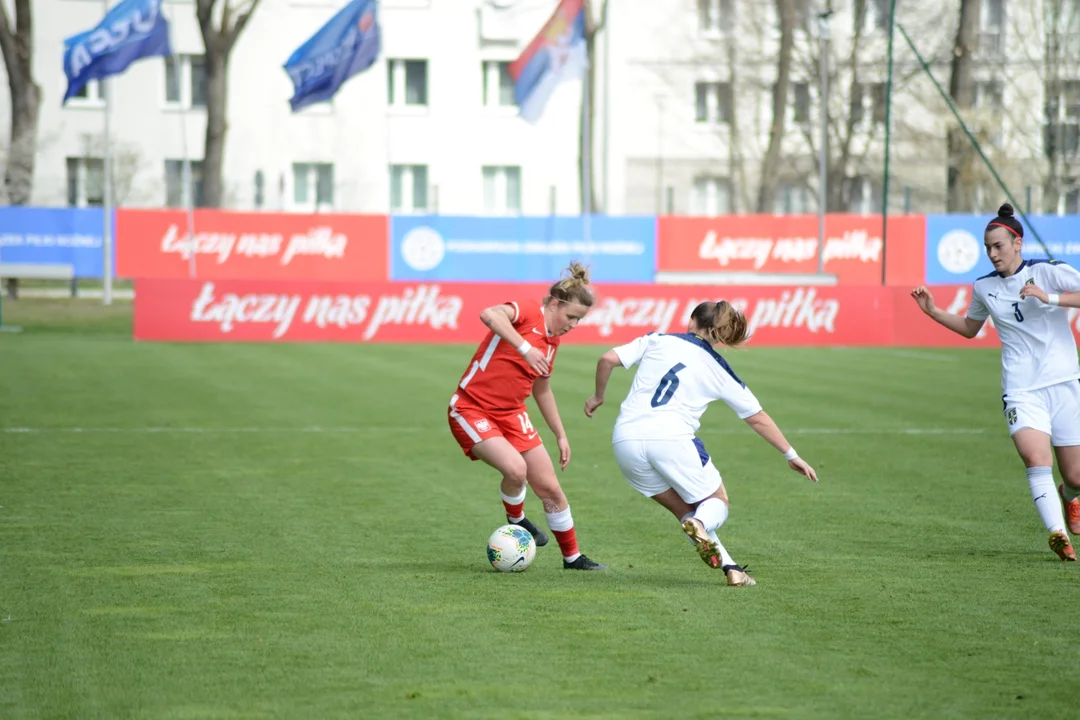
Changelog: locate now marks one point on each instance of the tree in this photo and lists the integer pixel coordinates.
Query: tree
(18, 49)
(770, 164)
(593, 26)
(220, 25)
(962, 92)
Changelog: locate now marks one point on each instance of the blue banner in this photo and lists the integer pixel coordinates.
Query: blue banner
(132, 30)
(521, 249)
(54, 236)
(343, 47)
(955, 254)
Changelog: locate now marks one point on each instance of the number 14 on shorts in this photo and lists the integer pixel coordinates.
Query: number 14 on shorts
(526, 424)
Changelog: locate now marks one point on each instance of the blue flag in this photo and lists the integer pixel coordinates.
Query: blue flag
(343, 47)
(132, 30)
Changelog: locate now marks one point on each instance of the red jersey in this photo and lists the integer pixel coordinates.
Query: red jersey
(498, 377)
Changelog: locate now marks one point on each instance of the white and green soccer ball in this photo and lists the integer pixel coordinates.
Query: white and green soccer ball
(511, 548)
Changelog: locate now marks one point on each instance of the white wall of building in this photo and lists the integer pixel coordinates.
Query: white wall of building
(650, 150)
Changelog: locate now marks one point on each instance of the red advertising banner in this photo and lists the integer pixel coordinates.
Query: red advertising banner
(265, 311)
(788, 244)
(255, 246)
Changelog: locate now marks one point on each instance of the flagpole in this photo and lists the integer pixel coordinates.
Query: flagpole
(106, 235)
(586, 162)
(107, 201)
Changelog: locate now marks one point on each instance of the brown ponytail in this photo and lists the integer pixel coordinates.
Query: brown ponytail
(721, 322)
(574, 288)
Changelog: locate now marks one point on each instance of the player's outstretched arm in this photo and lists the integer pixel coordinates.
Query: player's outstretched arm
(607, 362)
(764, 426)
(1064, 299)
(959, 324)
(545, 400)
(500, 318)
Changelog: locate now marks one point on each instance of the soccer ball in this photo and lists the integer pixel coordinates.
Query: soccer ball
(511, 548)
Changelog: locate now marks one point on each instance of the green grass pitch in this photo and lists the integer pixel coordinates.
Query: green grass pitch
(261, 531)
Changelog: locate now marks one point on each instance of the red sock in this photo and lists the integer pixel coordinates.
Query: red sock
(515, 506)
(567, 540)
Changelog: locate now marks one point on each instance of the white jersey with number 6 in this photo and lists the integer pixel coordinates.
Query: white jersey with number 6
(679, 375)
(1037, 344)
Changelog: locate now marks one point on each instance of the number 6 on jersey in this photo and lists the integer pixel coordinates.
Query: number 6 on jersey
(667, 387)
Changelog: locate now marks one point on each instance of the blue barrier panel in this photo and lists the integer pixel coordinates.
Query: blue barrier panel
(954, 245)
(521, 249)
(54, 236)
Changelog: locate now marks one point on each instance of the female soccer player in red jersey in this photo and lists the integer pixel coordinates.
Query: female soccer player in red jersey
(487, 412)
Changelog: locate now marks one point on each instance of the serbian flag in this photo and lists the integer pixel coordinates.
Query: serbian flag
(557, 53)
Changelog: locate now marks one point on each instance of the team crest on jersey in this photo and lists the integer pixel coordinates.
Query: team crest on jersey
(1031, 281)
(1010, 414)
(483, 425)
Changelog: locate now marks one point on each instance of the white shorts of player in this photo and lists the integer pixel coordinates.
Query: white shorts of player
(653, 466)
(1054, 410)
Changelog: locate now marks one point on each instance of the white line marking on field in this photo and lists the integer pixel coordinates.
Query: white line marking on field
(414, 429)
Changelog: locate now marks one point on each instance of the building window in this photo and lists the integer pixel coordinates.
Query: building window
(408, 188)
(502, 189)
(175, 196)
(991, 26)
(871, 16)
(92, 93)
(185, 81)
(710, 196)
(800, 106)
(863, 195)
(868, 103)
(407, 82)
(498, 85)
(1070, 200)
(716, 17)
(1061, 133)
(313, 186)
(791, 198)
(86, 182)
(712, 102)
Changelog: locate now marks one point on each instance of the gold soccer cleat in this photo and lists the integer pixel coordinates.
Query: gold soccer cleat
(737, 577)
(1059, 543)
(706, 548)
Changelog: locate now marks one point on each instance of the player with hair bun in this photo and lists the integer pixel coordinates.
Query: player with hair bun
(654, 439)
(1039, 370)
(487, 412)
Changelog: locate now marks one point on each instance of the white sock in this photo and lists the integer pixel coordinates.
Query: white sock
(711, 512)
(725, 558)
(1070, 493)
(561, 522)
(515, 501)
(1043, 492)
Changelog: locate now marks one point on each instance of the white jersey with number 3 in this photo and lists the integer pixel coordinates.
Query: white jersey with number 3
(1037, 344)
(679, 375)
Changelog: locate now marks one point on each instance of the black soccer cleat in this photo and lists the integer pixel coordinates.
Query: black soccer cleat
(539, 535)
(582, 563)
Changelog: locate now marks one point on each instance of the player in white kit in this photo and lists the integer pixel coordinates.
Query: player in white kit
(654, 438)
(1040, 375)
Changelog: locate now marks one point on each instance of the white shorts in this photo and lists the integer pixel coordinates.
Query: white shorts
(653, 466)
(1054, 410)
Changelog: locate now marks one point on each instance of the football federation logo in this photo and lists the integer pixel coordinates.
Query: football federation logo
(1011, 415)
(483, 425)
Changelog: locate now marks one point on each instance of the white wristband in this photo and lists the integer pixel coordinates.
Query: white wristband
(790, 454)
(524, 348)
(1053, 300)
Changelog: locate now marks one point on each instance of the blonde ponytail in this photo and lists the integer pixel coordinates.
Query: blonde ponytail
(574, 288)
